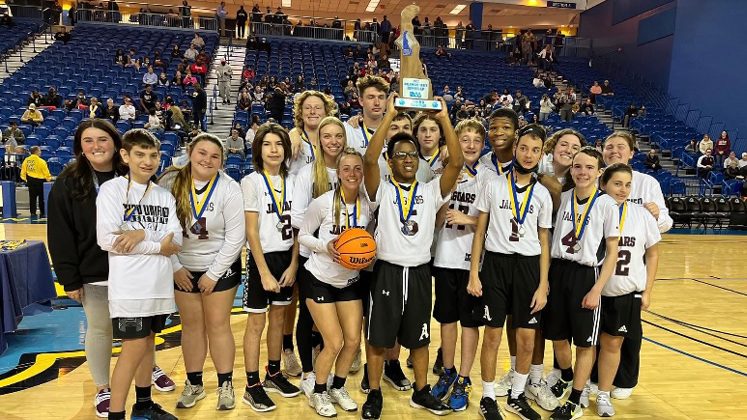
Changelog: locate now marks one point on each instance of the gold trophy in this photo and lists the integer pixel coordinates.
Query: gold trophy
(415, 90)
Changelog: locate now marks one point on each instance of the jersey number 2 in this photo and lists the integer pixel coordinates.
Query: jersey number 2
(623, 260)
(287, 230)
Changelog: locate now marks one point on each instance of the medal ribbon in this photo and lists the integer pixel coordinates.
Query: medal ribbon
(198, 207)
(623, 215)
(433, 159)
(473, 170)
(356, 210)
(129, 213)
(499, 168)
(277, 202)
(364, 130)
(405, 210)
(579, 229)
(305, 137)
(520, 213)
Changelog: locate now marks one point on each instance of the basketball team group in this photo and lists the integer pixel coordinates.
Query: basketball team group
(347, 226)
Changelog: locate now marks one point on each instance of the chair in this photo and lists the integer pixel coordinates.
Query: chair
(692, 210)
(723, 210)
(738, 216)
(55, 166)
(708, 212)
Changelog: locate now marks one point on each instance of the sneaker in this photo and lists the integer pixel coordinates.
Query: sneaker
(322, 404)
(560, 388)
(503, 387)
(604, 405)
(621, 393)
(394, 375)
(593, 388)
(459, 398)
(520, 407)
(567, 411)
(489, 409)
(542, 395)
(365, 387)
(307, 383)
(279, 383)
(101, 402)
(442, 387)
(438, 365)
(226, 397)
(373, 405)
(256, 397)
(425, 400)
(553, 377)
(341, 397)
(584, 400)
(154, 412)
(161, 381)
(190, 395)
(291, 363)
(356, 366)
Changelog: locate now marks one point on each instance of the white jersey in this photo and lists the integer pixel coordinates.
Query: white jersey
(646, 189)
(487, 161)
(638, 234)
(302, 197)
(141, 283)
(603, 222)
(454, 243)
(504, 232)
(304, 158)
(259, 200)
(393, 245)
(358, 138)
(320, 215)
(214, 242)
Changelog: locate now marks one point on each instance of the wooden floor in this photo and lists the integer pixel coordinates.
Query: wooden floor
(694, 362)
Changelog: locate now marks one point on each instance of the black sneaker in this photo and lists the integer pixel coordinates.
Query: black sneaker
(567, 411)
(394, 375)
(279, 383)
(256, 397)
(521, 408)
(373, 405)
(365, 388)
(560, 388)
(489, 409)
(438, 365)
(424, 399)
(154, 412)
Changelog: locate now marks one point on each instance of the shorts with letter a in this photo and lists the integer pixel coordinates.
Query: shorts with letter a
(621, 315)
(565, 318)
(256, 299)
(453, 303)
(509, 282)
(138, 327)
(399, 306)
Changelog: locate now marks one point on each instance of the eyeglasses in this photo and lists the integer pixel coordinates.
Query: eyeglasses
(404, 155)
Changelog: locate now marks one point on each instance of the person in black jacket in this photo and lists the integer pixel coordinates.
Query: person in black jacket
(276, 104)
(199, 106)
(241, 17)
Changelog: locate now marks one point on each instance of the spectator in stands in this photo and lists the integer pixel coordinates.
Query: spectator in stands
(692, 147)
(198, 41)
(34, 172)
(594, 91)
(743, 165)
(441, 52)
(199, 69)
(189, 79)
(13, 136)
(148, 99)
(186, 11)
(111, 112)
(163, 80)
(35, 98)
(630, 113)
(723, 147)
(276, 104)
(95, 109)
(221, 13)
(652, 160)
(150, 78)
(705, 164)
(731, 166)
(506, 100)
(6, 20)
(537, 80)
(32, 116)
(607, 89)
(52, 100)
(154, 123)
(120, 57)
(178, 80)
(224, 74)
(127, 111)
(546, 58)
(546, 107)
(459, 94)
(234, 144)
(564, 101)
(241, 18)
(587, 108)
(245, 101)
(191, 53)
(251, 132)
(199, 106)
(63, 35)
(521, 103)
(176, 52)
(705, 144)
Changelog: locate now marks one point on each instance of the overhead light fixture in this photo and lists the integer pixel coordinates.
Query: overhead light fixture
(458, 9)
(372, 5)
(286, 3)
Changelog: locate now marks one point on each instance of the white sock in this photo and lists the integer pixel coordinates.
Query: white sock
(607, 393)
(535, 373)
(513, 363)
(518, 382)
(488, 389)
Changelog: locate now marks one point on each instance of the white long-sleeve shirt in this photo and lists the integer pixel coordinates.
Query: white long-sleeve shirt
(126, 112)
(646, 189)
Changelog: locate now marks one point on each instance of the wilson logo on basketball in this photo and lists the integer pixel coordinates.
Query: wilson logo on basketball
(357, 248)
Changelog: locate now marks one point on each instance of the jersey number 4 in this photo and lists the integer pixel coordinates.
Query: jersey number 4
(570, 241)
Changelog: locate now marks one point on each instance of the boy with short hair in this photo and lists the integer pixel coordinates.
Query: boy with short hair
(137, 225)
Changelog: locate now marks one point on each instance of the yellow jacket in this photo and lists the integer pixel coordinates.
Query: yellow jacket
(35, 167)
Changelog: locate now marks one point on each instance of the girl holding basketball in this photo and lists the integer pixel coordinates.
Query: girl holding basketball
(629, 289)
(586, 220)
(334, 292)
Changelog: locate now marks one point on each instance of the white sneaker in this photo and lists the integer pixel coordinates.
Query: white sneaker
(584, 400)
(553, 377)
(593, 388)
(322, 404)
(541, 394)
(290, 361)
(307, 383)
(621, 393)
(503, 387)
(226, 397)
(356, 366)
(604, 405)
(341, 397)
(190, 395)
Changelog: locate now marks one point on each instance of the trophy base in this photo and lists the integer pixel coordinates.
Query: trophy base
(417, 104)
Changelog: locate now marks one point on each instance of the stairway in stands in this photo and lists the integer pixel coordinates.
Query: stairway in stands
(220, 121)
(34, 47)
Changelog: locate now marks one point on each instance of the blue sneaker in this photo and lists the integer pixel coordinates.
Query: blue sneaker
(447, 379)
(459, 398)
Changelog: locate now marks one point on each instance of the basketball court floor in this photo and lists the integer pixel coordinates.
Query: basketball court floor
(694, 356)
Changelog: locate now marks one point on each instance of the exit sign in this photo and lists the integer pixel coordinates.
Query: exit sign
(561, 4)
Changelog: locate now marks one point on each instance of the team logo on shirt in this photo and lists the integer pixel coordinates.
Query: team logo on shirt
(506, 205)
(147, 213)
(626, 241)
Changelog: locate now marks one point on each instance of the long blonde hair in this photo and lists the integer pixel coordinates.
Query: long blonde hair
(337, 199)
(320, 178)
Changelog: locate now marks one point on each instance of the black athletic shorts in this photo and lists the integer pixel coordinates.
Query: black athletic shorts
(509, 282)
(565, 318)
(621, 315)
(453, 303)
(399, 306)
(230, 279)
(322, 292)
(256, 298)
(302, 278)
(138, 327)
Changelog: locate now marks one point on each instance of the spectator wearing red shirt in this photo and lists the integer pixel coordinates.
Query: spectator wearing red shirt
(199, 70)
(723, 147)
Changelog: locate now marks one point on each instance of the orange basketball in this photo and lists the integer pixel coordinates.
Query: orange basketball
(357, 248)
